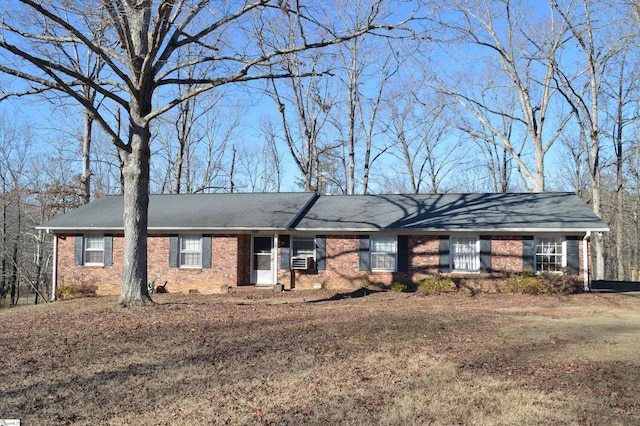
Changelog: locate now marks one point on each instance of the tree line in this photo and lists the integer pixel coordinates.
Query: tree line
(343, 98)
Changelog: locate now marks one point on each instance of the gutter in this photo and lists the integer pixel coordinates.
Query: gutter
(585, 260)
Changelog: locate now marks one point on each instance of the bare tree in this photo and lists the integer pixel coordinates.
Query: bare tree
(271, 159)
(622, 111)
(635, 10)
(574, 166)
(367, 66)
(583, 89)
(15, 145)
(623, 95)
(421, 138)
(192, 144)
(633, 182)
(498, 163)
(258, 169)
(303, 105)
(140, 51)
(520, 55)
(85, 63)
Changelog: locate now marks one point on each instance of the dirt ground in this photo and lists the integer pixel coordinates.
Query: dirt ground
(314, 357)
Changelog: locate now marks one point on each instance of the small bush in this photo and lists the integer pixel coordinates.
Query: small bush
(399, 287)
(525, 283)
(546, 283)
(561, 283)
(436, 284)
(75, 291)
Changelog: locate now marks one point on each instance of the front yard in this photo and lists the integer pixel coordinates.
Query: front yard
(256, 357)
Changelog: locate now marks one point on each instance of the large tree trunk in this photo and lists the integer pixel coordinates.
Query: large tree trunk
(539, 184)
(136, 168)
(136, 201)
(86, 158)
(598, 237)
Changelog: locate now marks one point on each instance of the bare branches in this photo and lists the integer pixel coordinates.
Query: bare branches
(77, 33)
(522, 62)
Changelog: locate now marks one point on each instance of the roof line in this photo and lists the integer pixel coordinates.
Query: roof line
(303, 212)
(456, 230)
(334, 230)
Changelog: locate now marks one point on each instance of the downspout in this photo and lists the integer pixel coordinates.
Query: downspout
(585, 260)
(54, 276)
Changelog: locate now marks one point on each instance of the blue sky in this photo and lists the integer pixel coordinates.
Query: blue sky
(50, 126)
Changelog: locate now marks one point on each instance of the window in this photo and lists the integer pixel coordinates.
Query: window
(550, 254)
(191, 251)
(465, 254)
(94, 250)
(383, 253)
(304, 247)
(298, 249)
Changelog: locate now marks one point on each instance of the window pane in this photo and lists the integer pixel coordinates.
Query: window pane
(94, 249)
(191, 243)
(262, 244)
(262, 262)
(190, 259)
(383, 253)
(383, 261)
(464, 254)
(93, 256)
(304, 246)
(191, 250)
(384, 245)
(549, 254)
(95, 242)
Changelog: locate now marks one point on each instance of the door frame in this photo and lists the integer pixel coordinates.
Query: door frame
(266, 277)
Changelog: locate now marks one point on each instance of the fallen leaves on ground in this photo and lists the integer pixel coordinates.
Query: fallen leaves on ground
(258, 357)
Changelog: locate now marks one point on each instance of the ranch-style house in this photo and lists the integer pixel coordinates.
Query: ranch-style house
(204, 242)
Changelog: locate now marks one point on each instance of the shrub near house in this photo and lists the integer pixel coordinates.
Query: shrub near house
(302, 240)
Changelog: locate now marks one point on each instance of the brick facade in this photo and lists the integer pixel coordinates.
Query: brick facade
(342, 266)
(231, 265)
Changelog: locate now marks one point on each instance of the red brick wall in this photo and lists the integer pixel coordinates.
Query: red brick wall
(108, 279)
(424, 254)
(231, 263)
(224, 269)
(343, 264)
(506, 254)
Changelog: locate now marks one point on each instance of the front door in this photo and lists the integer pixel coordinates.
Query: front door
(262, 264)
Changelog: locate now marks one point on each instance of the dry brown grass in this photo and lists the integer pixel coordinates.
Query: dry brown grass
(387, 358)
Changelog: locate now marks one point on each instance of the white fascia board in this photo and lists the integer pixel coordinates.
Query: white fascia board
(163, 230)
(76, 230)
(216, 229)
(68, 230)
(456, 230)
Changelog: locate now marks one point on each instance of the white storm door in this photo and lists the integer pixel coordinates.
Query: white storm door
(262, 260)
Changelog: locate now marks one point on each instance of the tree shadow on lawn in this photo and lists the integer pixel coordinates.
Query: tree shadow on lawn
(361, 292)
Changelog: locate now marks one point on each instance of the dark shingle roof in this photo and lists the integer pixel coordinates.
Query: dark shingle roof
(452, 212)
(553, 212)
(233, 212)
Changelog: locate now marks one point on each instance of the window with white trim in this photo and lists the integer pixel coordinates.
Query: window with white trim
(465, 254)
(191, 251)
(550, 254)
(94, 250)
(384, 252)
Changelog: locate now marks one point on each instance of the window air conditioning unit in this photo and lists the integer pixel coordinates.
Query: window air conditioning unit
(300, 262)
